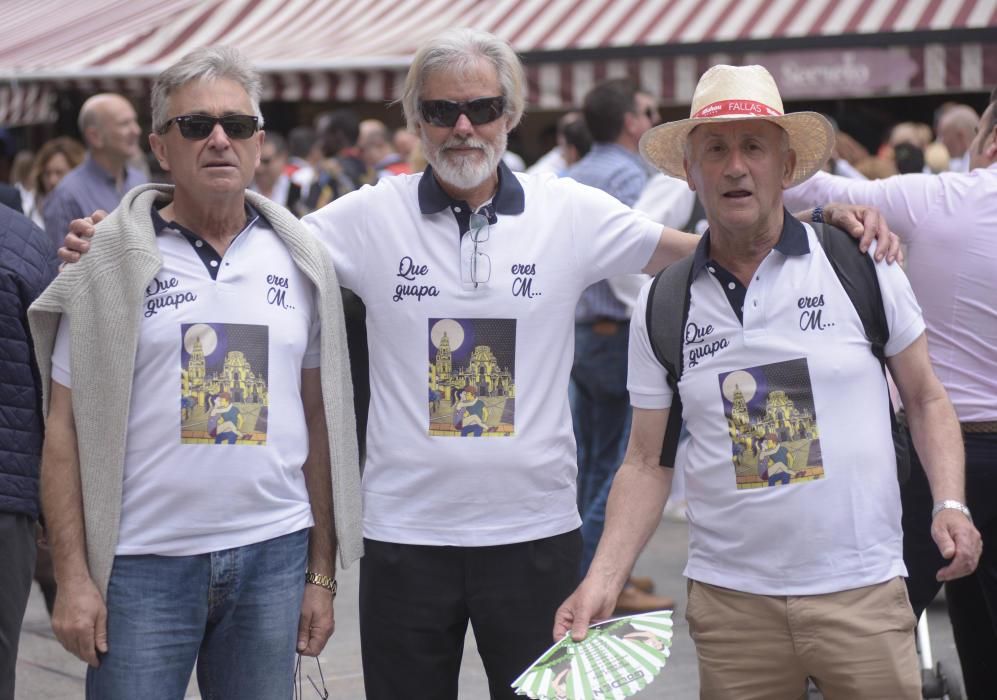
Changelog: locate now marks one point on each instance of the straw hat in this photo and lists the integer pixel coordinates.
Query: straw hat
(740, 92)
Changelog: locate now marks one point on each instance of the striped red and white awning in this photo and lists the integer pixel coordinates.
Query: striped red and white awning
(358, 50)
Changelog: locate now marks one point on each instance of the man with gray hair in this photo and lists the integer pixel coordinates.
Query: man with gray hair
(795, 546)
(470, 275)
(200, 464)
(110, 130)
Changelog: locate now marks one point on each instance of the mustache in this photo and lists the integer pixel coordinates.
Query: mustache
(471, 142)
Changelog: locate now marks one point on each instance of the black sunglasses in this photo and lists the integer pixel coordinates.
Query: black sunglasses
(446, 113)
(199, 126)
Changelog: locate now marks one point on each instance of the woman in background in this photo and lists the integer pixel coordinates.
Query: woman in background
(55, 158)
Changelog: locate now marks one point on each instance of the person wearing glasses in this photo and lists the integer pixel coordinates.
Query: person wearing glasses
(471, 275)
(617, 113)
(200, 463)
(111, 132)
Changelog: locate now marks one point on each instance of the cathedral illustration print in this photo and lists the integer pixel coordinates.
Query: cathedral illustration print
(472, 391)
(772, 425)
(223, 383)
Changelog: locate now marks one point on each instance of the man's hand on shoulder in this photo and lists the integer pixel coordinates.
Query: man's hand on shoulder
(959, 541)
(79, 620)
(867, 225)
(77, 241)
(317, 621)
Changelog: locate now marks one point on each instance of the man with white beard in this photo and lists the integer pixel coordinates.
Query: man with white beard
(470, 275)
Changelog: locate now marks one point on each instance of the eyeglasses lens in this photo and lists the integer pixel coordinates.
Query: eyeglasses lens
(199, 126)
(446, 113)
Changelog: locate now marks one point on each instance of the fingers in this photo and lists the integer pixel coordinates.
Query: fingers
(958, 541)
(571, 617)
(317, 621)
(100, 630)
(67, 256)
(304, 623)
(313, 637)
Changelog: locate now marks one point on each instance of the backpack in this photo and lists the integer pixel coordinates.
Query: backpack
(857, 274)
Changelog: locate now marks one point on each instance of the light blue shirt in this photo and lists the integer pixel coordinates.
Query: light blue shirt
(623, 174)
(85, 189)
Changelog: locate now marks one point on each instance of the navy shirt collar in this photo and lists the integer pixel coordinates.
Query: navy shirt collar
(509, 198)
(792, 241)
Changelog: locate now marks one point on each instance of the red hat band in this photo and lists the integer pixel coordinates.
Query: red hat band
(736, 108)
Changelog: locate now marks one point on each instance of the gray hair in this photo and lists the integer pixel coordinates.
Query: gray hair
(456, 51)
(205, 63)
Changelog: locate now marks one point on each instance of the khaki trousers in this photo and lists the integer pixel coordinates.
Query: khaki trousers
(856, 644)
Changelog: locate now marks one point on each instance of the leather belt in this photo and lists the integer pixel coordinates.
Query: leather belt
(607, 326)
(984, 427)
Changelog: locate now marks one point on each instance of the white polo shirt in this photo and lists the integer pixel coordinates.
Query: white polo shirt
(791, 474)
(216, 430)
(469, 439)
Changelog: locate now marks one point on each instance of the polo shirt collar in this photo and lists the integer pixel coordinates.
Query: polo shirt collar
(792, 241)
(509, 198)
(159, 224)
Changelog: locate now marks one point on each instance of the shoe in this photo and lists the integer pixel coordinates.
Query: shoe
(634, 600)
(642, 583)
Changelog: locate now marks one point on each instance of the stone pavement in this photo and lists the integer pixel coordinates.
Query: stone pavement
(46, 672)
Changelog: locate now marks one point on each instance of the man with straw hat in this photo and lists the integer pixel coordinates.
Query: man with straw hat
(787, 579)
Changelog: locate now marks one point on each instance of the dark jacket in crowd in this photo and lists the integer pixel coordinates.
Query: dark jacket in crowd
(27, 265)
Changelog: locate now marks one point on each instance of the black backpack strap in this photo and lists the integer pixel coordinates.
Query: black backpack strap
(857, 273)
(667, 312)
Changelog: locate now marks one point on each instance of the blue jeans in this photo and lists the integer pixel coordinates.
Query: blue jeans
(234, 611)
(600, 409)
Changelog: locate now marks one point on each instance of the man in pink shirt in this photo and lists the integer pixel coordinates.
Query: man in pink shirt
(949, 223)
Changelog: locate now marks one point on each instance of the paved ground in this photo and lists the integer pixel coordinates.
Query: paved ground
(46, 671)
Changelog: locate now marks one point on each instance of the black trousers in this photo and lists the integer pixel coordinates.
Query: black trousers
(972, 601)
(17, 566)
(416, 602)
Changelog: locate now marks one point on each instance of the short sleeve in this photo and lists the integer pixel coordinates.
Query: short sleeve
(647, 379)
(313, 351)
(903, 314)
(61, 372)
(610, 238)
(341, 227)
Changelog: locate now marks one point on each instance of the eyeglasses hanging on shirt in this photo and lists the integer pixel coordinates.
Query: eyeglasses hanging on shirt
(476, 266)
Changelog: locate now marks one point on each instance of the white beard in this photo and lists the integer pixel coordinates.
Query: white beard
(465, 172)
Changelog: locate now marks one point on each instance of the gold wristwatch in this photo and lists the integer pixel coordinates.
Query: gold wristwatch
(327, 582)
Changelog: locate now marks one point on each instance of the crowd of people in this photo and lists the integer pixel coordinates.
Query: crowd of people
(221, 398)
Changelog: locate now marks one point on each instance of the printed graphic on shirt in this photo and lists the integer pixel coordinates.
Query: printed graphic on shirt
(472, 367)
(223, 383)
(772, 424)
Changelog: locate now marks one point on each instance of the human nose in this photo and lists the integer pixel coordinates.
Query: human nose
(218, 138)
(735, 166)
(463, 125)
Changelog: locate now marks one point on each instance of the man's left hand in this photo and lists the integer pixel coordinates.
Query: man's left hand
(959, 541)
(317, 621)
(866, 224)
